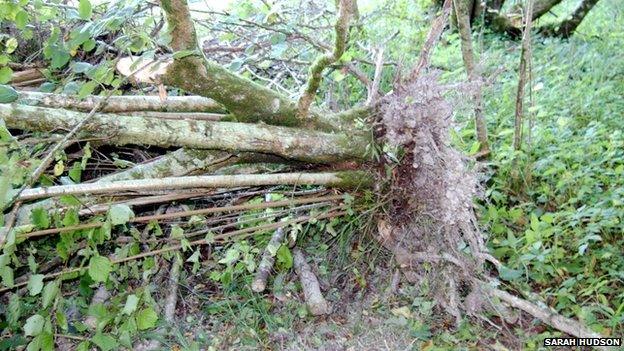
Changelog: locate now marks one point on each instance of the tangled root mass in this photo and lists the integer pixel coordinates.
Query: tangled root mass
(432, 213)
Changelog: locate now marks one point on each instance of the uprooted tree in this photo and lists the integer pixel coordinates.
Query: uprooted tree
(398, 145)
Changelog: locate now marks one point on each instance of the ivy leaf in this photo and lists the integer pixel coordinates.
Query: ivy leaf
(99, 268)
(35, 284)
(132, 301)
(5, 76)
(49, 293)
(120, 214)
(231, 256)
(6, 273)
(7, 93)
(104, 342)
(284, 257)
(146, 318)
(86, 89)
(14, 310)
(509, 274)
(34, 325)
(40, 218)
(84, 9)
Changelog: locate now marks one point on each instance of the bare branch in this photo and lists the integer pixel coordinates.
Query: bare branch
(346, 12)
(348, 179)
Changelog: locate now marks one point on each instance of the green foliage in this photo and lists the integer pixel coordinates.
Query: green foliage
(554, 211)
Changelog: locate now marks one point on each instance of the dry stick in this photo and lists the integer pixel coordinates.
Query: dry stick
(242, 233)
(434, 35)
(310, 285)
(524, 59)
(268, 258)
(190, 213)
(123, 103)
(373, 88)
(218, 181)
(555, 320)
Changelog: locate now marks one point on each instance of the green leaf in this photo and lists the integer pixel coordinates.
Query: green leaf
(34, 325)
(40, 217)
(84, 9)
(509, 274)
(87, 89)
(120, 214)
(104, 341)
(14, 310)
(231, 256)
(35, 284)
(146, 318)
(49, 293)
(132, 301)
(284, 257)
(6, 273)
(99, 268)
(21, 19)
(184, 53)
(7, 93)
(5, 76)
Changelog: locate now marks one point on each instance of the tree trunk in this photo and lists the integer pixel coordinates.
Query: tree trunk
(463, 24)
(291, 143)
(566, 28)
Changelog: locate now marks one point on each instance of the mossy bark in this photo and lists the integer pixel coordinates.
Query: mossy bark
(117, 104)
(290, 143)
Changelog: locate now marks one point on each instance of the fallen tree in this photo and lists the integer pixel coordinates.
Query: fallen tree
(427, 188)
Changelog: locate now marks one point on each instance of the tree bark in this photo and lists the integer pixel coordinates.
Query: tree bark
(463, 24)
(291, 143)
(119, 104)
(566, 28)
(347, 179)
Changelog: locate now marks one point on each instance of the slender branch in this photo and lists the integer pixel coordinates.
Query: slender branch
(241, 233)
(204, 211)
(525, 57)
(432, 38)
(549, 317)
(342, 179)
(346, 12)
(119, 104)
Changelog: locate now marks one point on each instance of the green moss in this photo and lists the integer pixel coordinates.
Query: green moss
(355, 179)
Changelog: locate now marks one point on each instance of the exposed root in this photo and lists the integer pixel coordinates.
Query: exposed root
(431, 214)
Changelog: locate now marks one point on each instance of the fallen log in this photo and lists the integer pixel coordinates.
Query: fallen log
(291, 143)
(310, 285)
(346, 179)
(119, 104)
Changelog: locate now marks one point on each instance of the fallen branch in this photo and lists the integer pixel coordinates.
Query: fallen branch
(555, 320)
(268, 258)
(204, 211)
(242, 233)
(304, 145)
(310, 285)
(347, 179)
(121, 104)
